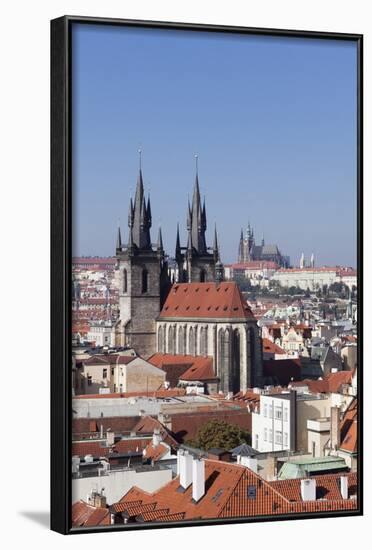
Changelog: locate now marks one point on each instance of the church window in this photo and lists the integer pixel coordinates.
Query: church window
(202, 276)
(160, 340)
(181, 347)
(125, 281)
(145, 277)
(171, 339)
(191, 341)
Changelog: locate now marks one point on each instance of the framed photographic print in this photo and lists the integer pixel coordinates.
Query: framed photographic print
(206, 274)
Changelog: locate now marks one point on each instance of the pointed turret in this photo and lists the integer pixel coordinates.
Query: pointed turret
(148, 211)
(159, 245)
(197, 220)
(118, 240)
(178, 242)
(141, 216)
(130, 214)
(215, 244)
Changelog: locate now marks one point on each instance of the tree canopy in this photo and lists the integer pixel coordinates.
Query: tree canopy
(220, 434)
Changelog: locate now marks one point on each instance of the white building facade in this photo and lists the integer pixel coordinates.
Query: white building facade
(274, 426)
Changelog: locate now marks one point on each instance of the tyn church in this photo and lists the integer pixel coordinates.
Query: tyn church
(146, 321)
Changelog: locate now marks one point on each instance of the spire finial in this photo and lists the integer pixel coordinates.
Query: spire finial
(140, 158)
(196, 163)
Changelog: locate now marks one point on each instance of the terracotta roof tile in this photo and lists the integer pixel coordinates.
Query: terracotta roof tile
(270, 347)
(206, 300)
(231, 491)
(155, 453)
(193, 368)
(85, 515)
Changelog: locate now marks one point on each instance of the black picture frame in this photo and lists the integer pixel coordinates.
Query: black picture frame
(61, 258)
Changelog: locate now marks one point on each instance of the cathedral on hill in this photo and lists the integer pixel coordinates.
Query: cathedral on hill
(196, 313)
(249, 251)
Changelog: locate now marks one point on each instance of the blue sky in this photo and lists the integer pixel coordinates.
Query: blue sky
(273, 121)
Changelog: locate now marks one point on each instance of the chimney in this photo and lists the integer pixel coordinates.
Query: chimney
(185, 467)
(156, 438)
(198, 479)
(335, 428)
(308, 489)
(249, 462)
(98, 500)
(344, 487)
(110, 438)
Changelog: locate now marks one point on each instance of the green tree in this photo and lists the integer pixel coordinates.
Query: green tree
(220, 434)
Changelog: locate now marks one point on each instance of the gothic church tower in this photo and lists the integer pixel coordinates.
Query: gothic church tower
(197, 262)
(142, 278)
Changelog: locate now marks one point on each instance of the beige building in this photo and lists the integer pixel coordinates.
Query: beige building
(113, 373)
(349, 356)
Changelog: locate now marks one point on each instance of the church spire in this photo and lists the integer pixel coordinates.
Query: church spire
(216, 251)
(197, 219)
(178, 242)
(141, 214)
(118, 240)
(159, 246)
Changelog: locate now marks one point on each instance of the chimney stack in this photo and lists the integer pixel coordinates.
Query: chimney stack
(156, 438)
(198, 479)
(335, 428)
(248, 462)
(185, 467)
(344, 487)
(308, 489)
(110, 438)
(98, 500)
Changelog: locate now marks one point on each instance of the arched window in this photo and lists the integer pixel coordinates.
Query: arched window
(145, 280)
(204, 341)
(125, 281)
(202, 276)
(191, 341)
(171, 339)
(181, 342)
(236, 361)
(160, 340)
(224, 359)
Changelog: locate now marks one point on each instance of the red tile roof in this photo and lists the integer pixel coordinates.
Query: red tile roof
(117, 424)
(85, 515)
(349, 428)
(97, 449)
(196, 368)
(270, 347)
(155, 453)
(206, 300)
(147, 425)
(231, 491)
(327, 486)
(333, 382)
